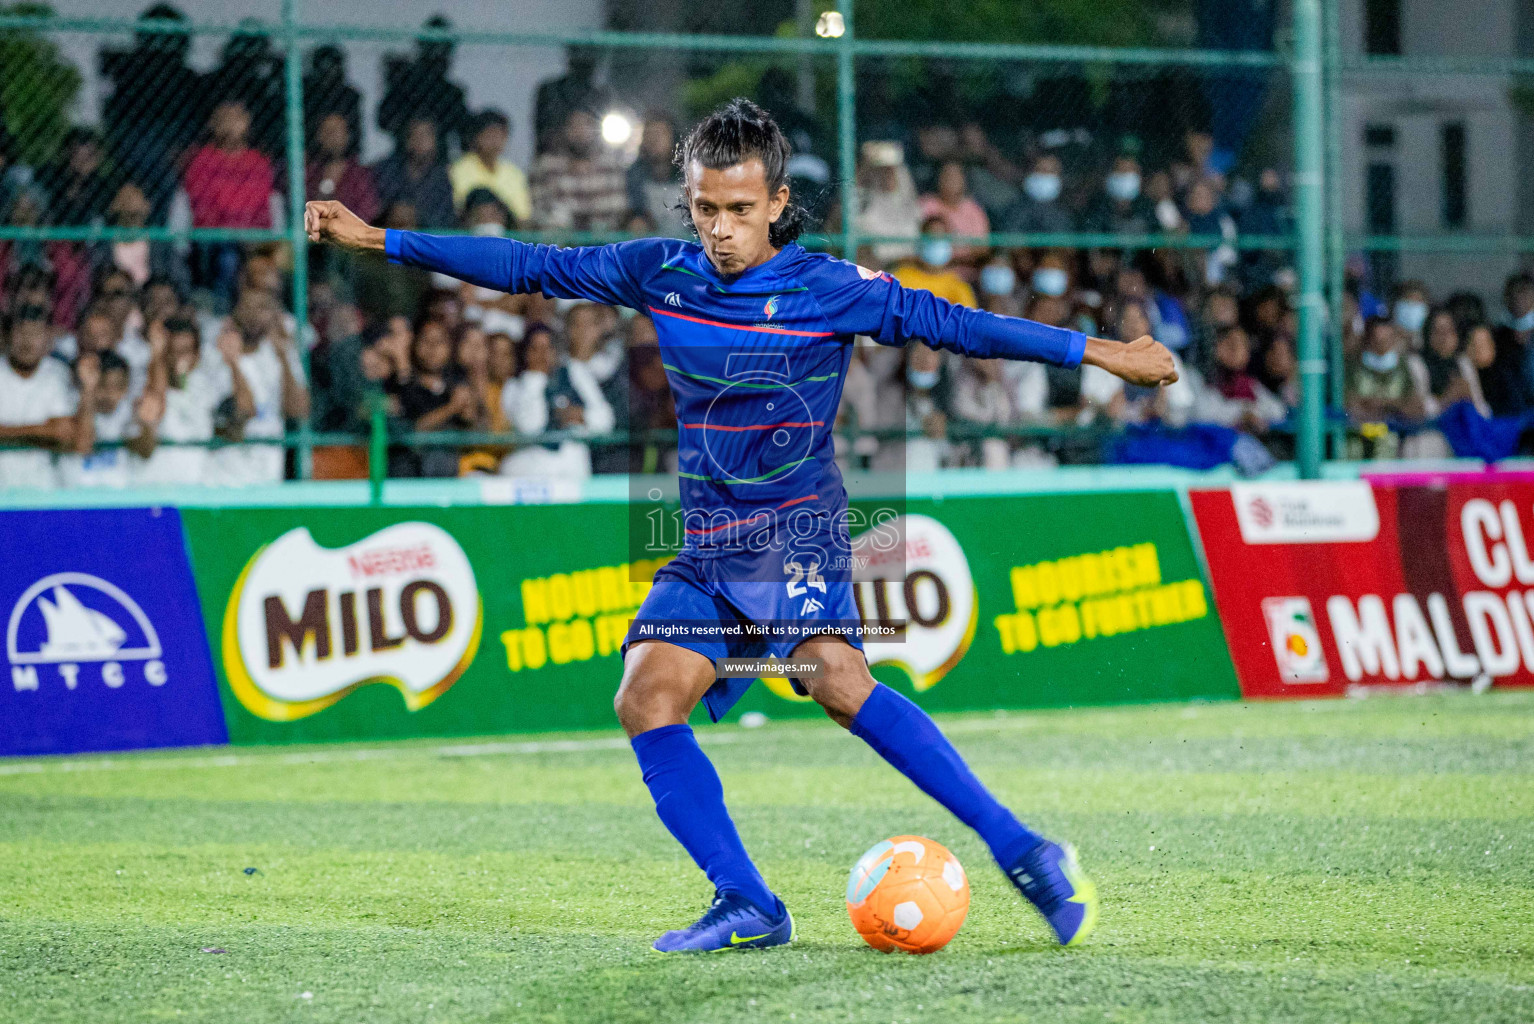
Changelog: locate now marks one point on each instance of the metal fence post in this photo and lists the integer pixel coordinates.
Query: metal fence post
(378, 449)
(1309, 143)
(1336, 253)
(293, 66)
(846, 107)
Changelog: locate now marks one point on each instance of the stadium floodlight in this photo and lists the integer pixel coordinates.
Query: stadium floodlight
(831, 25)
(617, 129)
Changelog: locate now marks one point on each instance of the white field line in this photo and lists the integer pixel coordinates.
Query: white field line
(500, 748)
(159, 760)
(162, 763)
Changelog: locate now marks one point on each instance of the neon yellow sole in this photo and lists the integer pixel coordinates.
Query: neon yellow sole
(1086, 892)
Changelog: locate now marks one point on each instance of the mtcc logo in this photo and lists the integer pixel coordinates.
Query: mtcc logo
(72, 627)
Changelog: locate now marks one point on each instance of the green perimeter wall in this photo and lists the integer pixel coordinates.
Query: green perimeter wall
(1126, 623)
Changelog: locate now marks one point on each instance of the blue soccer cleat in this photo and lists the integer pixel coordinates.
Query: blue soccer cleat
(731, 922)
(1053, 881)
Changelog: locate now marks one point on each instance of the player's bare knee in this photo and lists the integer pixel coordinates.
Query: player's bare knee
(843, 683)
(840, 698)
(660, 686)
(643, 703)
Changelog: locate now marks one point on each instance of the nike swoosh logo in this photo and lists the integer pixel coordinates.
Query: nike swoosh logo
(1085, 891)
(736, 940)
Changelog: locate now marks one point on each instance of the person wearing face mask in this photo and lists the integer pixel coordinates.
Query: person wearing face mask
(139, 259)
(485, 214)
(1039, 209)
(1050, 277)
(1380, 390)
(1445, 375)
(932, 268)
(1120, 208)
(1410, 312)
(1515, 342)
(927, 400)
(963, 215)
(998, 287)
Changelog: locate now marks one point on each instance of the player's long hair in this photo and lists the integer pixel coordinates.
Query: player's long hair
(735, 132)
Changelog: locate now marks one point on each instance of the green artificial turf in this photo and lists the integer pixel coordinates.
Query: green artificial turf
(1333, 861)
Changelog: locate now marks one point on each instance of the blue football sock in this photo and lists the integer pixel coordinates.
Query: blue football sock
(690, 802)
(907, 737)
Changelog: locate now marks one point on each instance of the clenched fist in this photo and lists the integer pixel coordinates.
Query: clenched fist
(1144, 361)
(326, 220)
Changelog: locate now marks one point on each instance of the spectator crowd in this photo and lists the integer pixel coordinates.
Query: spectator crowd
(163, 362)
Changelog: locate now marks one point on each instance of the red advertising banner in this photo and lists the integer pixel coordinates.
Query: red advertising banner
(1322, 586)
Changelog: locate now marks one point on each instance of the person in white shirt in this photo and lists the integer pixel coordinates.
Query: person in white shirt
(590, 365)
(887, 201)
(40, 409)
(182, 401)
(93, 333)
(594, 328)
(273, 369)
(981, 395)
(545, 397)
(1231, 396)
(100, 329)
(524, 398)
(117, 432)
(117, 293)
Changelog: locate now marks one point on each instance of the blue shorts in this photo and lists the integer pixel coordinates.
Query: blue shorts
(707, 604)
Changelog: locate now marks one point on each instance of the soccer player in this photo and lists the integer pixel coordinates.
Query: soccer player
(756, 334)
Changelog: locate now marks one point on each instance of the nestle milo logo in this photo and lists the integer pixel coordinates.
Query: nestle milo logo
(306, 625)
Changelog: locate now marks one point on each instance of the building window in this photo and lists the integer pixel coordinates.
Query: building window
(1379, 136)
(1382, 28)
(1380, 219)
(1453, 142)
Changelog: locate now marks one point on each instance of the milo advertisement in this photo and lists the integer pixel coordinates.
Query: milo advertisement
(361, 623)
(346, 623)
(1044, 600)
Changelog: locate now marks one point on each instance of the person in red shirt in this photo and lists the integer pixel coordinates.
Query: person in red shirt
(334, 173)
(228, 185)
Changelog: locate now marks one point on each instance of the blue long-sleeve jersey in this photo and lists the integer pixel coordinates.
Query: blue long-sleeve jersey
(756, 361)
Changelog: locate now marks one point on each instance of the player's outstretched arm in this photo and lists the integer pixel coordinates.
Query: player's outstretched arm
(598, 273)
(1144, 361)
(859, 301)
(326, 220)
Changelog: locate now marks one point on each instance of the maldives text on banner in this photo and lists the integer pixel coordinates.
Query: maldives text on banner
(1323, 586)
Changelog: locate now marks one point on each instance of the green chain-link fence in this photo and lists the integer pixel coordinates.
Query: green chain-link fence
(203, 130)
